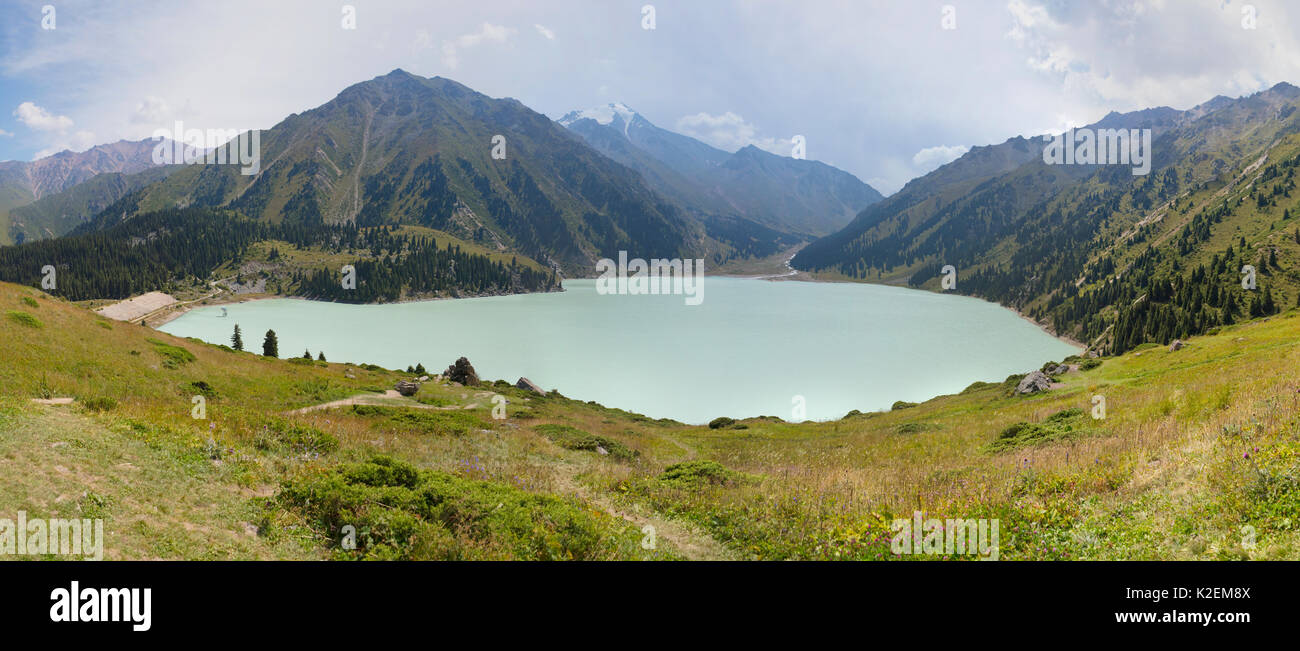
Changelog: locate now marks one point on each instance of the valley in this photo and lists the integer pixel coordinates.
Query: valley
(773, 420)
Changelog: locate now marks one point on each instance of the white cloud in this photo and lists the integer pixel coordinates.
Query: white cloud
(40, 119)
(80, 141)
(545, 31)
(729, 131)
(152, 110)
(488, 33)
(5, 134)
(933, 157)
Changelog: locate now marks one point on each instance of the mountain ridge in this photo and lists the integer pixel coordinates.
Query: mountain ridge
(1088, 250)
(783, 193)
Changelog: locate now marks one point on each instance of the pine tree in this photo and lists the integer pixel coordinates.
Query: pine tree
(271, 345)
(237, 340)
(419, 368)
(306, 354)
(320, 356)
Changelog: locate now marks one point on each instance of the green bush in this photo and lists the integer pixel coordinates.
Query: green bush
(1089, 364)
(100, 403)
(902, 404)
(721, 422)
(400, 512)
(915, 428)
(199, 387)
(690, 474)
(1060, 426)
(572, 438)
(978, 386)
(31, 301)
(24, 319)
(173, 356)
(282, 435)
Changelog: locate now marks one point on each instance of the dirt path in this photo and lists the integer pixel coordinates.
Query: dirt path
(389, 398)
(173, 310)
(685, 538)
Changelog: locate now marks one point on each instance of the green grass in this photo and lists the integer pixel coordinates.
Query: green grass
(1196, 445)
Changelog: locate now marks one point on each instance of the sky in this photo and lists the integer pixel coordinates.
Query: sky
(887, 90)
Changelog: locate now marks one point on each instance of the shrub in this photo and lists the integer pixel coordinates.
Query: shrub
(31, 301)
(978, 386)
(101, 403)
(689, 474)
(173, 356)
(915, 428)
(902, 404)
(1089, 364)
(721, 422)
(199, 387)
(572, 438)
(1062, 425)
(401, 512)
(423, 421)
(24, 319)
(284, 435)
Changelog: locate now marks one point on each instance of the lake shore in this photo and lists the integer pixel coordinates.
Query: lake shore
(783, 258)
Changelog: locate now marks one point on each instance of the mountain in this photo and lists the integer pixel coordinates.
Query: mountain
(402, 149)
(24, 182)
(782, 193)
(1094, 251)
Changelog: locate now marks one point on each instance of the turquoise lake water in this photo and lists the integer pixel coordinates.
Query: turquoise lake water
(753, 347)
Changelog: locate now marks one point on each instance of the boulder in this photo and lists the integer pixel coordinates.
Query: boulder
(1059, 369)
(1177, 345)
(407, 388)
(424, 378)
(528, 385)
(461, 372)
(1035, 382)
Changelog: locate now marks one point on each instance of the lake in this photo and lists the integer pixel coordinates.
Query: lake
(751, 348)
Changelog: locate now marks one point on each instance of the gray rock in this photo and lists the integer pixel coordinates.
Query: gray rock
(1035, 382)
(461, 372)
(1177, 345)
(528, 385)
(1059, 369)
(407, 388)
(601, 450)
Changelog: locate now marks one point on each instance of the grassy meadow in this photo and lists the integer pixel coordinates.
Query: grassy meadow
(1196, 457)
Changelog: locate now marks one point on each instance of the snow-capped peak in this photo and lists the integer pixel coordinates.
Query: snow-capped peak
(603, 115)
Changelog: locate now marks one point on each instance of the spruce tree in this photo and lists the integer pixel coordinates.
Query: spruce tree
(237, 340)
(271, 345)
(306, 354)
(320, 356)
